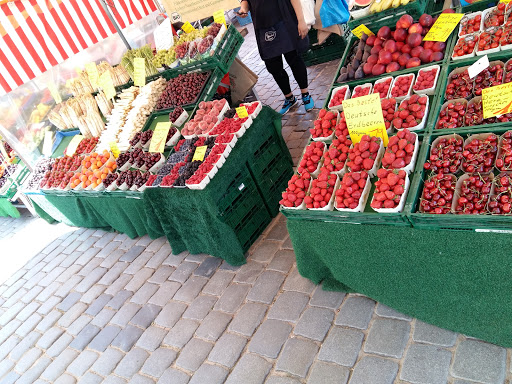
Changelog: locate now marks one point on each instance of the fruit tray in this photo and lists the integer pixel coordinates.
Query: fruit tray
(163, 116)
(487, 222)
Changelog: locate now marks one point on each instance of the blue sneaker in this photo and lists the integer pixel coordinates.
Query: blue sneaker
(287, 105)
(308, 102)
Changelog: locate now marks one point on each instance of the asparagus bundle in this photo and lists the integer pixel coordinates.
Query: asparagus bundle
(144, 52)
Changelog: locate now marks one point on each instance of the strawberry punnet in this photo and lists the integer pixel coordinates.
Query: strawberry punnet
(321, 190)
(389, 189)
(312, 156)
(388, 111)
(411, 112)
(338, 97)
(351, 189)
(400, 150)
(324, 125)
(362, 155)
(294, 195)
(336, 156)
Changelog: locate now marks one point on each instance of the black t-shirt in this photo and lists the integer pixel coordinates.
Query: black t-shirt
(264, 13)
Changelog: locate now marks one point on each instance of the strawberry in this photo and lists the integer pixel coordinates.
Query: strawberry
(321, 190)
(351, 190)
(362, 155)
(389, 189)
(312, 155)
(296, 190)
(411, 112)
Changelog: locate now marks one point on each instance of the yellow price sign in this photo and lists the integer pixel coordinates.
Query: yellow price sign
(139, 71)
(443, 27)
(242, 112)
(107, 85)
(199, 153)
(114, 149)
(159, 137)
(362, 28)
(497, 100)
(73, 145)
(48, 143)
(188, 28)
(505, 1)
(92, 73)
(364, 117)
(55, 93)
(218, 17)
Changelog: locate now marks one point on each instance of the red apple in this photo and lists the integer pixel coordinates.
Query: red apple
(378, 69)
(379, 42)
(428, 45)
(399, 45)
(384, 57)
(425, 56)
(416, 51)
(416, 28)
(403, 59)
(400, 34)
(390, 46)
(392, 67)
(426, 20)
(414, 39)
(404, 22)
(413, 62)
(384, 32)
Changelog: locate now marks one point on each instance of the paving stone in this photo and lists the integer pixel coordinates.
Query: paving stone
(107, 361)
(189, 291)
(426, 364)
(181, 333)
(283, 261)
(107, 249)
(159, 361)
(387, 337)
(174, 376)
(165, 293)
(22, 291)
(161, 274)
(227, 349)
(91, 378)
(112, 259)
(139, 379)
(193, 354)
(106, 240)
(146, 315)
(98, 304)
(385, 311)
(132, 252)
(11, 313)
(250, 369)
(9, 329)
(48, 321)
(102, 318)
(118, 285)
(60, 345)
(139, 263)
(274, 379)
(479, 361)
(266, 287)
(225, 266)
(59, 365)
(248, 318)
(71, 270)
(208, 267)
(248, 273)
(127, 338)
(31, 375)
(87, 256)
(374, 370)
(355, 312)
(175, 260)
(114, 380)
(269, 338)
(208, 373)
(170, 314)
(196, 258)
(131, 363)
(200, 307)
(183, 272)
(91, 279)
(28, 325)
(297, 357)
(232, 298)
(218, 283)
(287, 244)
(213, 325)
(11, 377)
(49, 337)
(103, 339)
(288, 306)
(113, 273)
(295, 282)
(82, 363)
(278, 232)
(314, 323)
(324, 373)
(24, 345)
(29, 309)
(7, 346)
(342, 346)
(90, 266)
(156, 244)
(326, 299)
(119, 299)
(125, 314)
(31, 295)
(69, 301)
(426, 333)
(84, 338)
(27, 360)
(159, 257)
(151, 338)
(6, 365)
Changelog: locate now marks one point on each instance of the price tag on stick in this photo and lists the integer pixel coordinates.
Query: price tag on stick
(478, 67)
(242, 112)
(199, 153)
(73, 145)
(92, 73)
(362, 28)
(364, 117)
(497, 100)
(107, 85)
(139, 71)
(218, 17)
(188, 28)
(443, 27)
(48, 143)
(159, 137)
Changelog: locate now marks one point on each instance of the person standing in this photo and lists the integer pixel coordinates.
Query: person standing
(281, 30)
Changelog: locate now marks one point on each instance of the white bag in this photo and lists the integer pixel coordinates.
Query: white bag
(308, 9)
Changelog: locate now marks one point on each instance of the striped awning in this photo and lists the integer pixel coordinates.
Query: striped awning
(39, 34)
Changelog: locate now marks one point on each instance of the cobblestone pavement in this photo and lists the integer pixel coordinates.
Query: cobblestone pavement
(97, 307)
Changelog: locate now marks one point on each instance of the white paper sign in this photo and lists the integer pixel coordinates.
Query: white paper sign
(478, 67)
(163, 35)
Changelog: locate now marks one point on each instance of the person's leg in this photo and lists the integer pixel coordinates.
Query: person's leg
(298, 67)
(275, 68)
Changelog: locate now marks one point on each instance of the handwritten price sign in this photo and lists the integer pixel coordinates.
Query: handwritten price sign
(362, 28)
(159, 137)
(443, 27)
(497, 100)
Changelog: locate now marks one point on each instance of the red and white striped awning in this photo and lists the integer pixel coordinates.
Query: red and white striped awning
(36, 35)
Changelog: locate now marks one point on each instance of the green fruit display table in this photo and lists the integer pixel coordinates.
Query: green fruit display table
(457, 280)
(222, 220)
(7, 209)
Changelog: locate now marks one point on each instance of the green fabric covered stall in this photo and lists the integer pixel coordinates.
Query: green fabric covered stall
(458, 280)
(7, 209)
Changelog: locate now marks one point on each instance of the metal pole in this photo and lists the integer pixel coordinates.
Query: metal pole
(106, 8)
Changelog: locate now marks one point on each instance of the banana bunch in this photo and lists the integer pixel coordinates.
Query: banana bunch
(382, 5)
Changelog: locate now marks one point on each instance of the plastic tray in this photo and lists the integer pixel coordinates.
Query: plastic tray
(403, 199)
(384, 79)
(421, 125)
(400, 98)
(432, 90)
(469, 55)
(347, 96)
(471, 16)
(362, 200)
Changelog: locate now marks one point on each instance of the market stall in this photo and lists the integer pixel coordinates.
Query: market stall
(416, 214)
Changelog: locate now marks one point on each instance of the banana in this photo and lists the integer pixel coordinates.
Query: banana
(395, 3)
(386, 4)
(376, 6)
(405, 2)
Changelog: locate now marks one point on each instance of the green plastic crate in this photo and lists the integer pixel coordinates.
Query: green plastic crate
(252, 226)
(481, 5)
(331, 49)
(241, 185)
(415, 8)
(274, 193)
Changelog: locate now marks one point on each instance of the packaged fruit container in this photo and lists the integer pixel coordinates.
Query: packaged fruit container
(452, 112)
(458, 187)
(325, 125)
(489, 41)
(471, 23)
(362, 90)
(466, 47)
(385, 83)
(445, 193)
(201, 185)
(376, 160)
(255, 106)
(362, 199)
(401, 82)
(409, 105)
(401, 204)
(329, 185)
(339, 93)
(425, 76)
(401, 140)
(312, 155)
(182, 118)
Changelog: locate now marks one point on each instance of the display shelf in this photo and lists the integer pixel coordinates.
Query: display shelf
(332, 48)
(414, 8)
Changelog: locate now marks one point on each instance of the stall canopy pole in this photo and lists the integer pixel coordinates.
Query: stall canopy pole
(107, 10)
